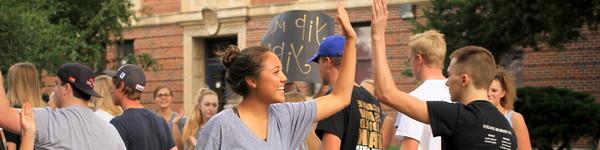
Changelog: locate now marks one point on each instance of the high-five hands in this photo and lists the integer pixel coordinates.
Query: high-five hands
(379, 18)
(344, 20)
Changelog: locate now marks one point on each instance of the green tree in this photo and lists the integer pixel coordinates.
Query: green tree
(506, 25)
(49, 33)
(558, 116)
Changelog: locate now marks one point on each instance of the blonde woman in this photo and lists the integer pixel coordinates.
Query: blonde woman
(105, 107)
(502, 93)
(206, 107)
(24, 86)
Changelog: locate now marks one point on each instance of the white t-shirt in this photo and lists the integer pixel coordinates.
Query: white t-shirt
(104, 115)
(430, 90)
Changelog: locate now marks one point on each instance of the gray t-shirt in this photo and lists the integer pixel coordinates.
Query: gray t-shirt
(74, 127)
(288, 126)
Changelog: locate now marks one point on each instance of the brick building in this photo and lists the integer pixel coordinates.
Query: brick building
(181, 35)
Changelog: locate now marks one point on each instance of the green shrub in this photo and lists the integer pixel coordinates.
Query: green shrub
(558, 115)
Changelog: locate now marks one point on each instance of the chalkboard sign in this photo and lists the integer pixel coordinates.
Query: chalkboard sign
(295, 36)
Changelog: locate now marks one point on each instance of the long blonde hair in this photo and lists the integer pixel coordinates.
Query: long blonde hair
(104, 87)
(24, 85)
(196, 118)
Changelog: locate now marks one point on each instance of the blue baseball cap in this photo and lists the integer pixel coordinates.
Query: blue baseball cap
(331, 46)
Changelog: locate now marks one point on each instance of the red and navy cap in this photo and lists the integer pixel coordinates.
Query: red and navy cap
(79, 76)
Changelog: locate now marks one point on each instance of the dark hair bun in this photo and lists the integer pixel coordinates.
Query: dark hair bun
(240, 64)
(231, 53)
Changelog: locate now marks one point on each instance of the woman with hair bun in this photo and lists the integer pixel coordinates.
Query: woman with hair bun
(262, 120)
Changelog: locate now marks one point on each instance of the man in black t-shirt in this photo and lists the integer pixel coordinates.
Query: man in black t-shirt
(140, 128)
(472, 123)
(357, 126)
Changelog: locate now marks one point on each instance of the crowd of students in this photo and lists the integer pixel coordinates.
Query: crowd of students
(471, 108)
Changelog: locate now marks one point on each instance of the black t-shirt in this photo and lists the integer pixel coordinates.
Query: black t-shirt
(359, 125)
(14, 138)
(477, 125)
(142, 129)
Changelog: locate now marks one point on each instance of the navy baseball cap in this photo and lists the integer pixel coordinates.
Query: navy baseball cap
(132, 75)
(79, 76)
(331, 46)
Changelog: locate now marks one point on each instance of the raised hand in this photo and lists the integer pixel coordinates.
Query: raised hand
(27, 122)
(28, 127)
(385, 89)
(344, 20)
(178, 117)
(379, 18)
(340, 95)
(192, 140)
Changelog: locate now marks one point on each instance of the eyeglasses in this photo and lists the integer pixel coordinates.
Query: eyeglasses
(163, 95)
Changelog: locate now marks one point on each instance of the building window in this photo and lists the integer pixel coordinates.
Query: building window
(363, 49)
(124, 53)
(215, 71)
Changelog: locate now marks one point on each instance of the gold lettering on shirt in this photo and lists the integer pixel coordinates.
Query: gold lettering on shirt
(369, 135)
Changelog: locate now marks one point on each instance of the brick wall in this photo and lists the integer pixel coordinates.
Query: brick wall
(155, 7)
(577, 67)
(165, 44)
(263, 2)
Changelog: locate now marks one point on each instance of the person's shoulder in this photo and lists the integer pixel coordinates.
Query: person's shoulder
(483, 110)
(481, 103)
(117, 119)
(58, 113)
(219, 126)
(359, 90)
(445, 103)
(443, 107)
(224, 116)
(282, 108)
(517, 117)
(103, 114)
(147, 115)
(133, 113)
(481, 106)
(144, 111)
(43, 110)
(221, 119)
(432, 88)
(362, 92)
(127, 115)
